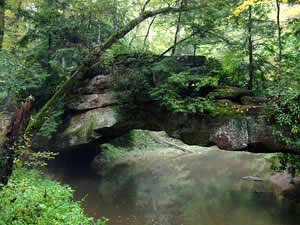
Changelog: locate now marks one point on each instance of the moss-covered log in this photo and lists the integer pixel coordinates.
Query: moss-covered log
(91, 62)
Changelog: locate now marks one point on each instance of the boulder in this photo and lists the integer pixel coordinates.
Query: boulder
(96, 85)
(82, 129)
(290, 187)
(250, 178)
(244, 129)
(92, 101)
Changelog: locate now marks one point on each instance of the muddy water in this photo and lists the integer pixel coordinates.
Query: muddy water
(194, 189)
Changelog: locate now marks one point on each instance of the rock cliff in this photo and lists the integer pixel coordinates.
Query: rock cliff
(240, 122)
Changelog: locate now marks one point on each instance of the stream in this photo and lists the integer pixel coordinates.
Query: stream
(190, 189)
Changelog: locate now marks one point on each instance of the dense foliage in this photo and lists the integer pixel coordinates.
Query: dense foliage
(176, 87)
(32, 198)
(186, 92)
(287, 127)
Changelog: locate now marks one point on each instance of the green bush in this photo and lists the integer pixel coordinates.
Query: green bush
(133, 143)
(235, 71)
(286, 114)
(31, 198)
(175, 87)
(186, 92)
(288, 162)
(52, 122)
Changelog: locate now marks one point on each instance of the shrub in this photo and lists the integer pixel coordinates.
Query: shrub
(286, 115)
(175, 87)
(186, 92)
(31, 198)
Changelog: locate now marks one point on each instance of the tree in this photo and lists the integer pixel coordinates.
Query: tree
(2, 5)
(177, 29)
(250, 49)
(279, 45)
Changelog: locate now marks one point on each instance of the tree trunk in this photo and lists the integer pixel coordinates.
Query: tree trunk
(115, 18)
(177, 30)
(148, 31)
(179, 42)
(279, 46)
(90, 63)
(250, 49)
(16, 129)
(49, 70)
(2, 6)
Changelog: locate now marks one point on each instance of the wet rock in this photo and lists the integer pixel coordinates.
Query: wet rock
(250, 178)
(293, 192)
(290, 187)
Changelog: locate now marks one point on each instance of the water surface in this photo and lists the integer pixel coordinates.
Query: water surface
(193, 189)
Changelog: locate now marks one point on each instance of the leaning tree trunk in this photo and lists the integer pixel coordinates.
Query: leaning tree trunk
(2, 5)
(90, 63)
(12, 139)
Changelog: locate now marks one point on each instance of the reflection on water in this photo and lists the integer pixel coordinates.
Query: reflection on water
(195, 189)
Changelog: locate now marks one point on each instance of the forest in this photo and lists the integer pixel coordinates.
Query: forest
(48, 48)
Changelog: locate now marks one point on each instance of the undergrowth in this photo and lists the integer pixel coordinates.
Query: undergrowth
(32, 198)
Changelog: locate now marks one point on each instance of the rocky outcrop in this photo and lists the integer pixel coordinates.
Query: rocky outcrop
(246, 129)
(93, 120)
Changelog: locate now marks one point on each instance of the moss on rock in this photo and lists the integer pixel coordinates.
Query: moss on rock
(83, 127)
(231, 93)
(223, 103)
(230, 111)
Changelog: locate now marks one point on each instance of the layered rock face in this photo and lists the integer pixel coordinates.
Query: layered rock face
(240, 122)
(248, 131)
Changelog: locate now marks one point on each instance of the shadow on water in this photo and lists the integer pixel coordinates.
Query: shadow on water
(194, 189)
